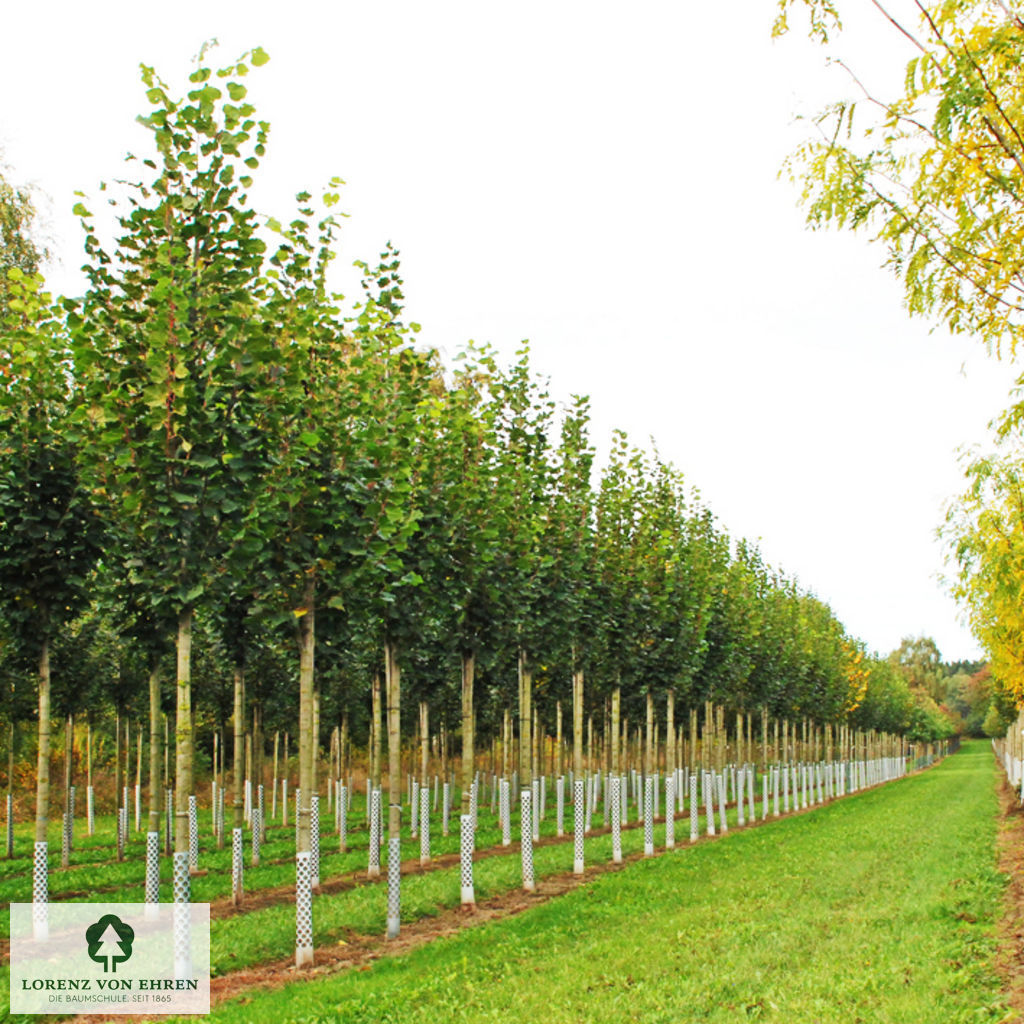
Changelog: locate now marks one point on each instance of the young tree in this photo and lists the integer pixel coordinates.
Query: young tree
(50, 530)
(170, 359)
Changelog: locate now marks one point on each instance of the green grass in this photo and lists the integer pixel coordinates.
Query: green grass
(879, 908)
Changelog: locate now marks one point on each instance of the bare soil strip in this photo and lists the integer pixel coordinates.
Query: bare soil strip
(1010, 850)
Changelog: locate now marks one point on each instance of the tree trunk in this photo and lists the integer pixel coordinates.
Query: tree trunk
(183, 732)
(155, 782)
(577, 723)
(393, 682)
(468, 732)
(649, 746)
(525, 714)
(670, 733)
(615, 736)
(375, 732)
(303, 846)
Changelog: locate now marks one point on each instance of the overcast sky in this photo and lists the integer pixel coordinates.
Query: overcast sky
(602, 181)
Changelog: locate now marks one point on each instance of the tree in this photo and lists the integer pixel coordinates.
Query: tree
(50, 530)
(18, 248)
(936, 173)
(168, 347)
(984, 533)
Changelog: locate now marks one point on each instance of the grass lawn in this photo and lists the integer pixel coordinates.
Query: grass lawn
(879, 908)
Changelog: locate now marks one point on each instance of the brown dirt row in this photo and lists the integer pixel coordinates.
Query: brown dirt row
(1010, 852)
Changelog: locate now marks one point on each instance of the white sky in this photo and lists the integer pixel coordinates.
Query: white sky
(601, 179)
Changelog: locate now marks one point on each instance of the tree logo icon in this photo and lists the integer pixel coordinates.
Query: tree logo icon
(110, 942)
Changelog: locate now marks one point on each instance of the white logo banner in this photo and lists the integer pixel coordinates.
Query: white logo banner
(125, 958)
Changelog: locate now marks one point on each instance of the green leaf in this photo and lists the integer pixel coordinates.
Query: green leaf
(259, 57)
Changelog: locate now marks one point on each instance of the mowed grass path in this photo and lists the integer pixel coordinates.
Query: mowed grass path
(879, 908)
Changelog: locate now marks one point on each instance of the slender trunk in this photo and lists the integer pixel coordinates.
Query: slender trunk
(43, 758)
(117, 762)
(393, 684)
(506, 743)
(468, 733)
(315, 753)
(616, 718)
(375, 731)
(577, 721)
(670, 733)
(424, 743)
(558, 739)
(183, 732)
(238, 758)
(525, 715)
(649, 748)
(303, 839)
(306, 702)
(155, 782)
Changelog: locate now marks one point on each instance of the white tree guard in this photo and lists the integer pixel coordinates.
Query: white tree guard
(656, 795)
(624, 797)
(303, 908)
(247, 802)
(466, 840)
(394, 886)
(262, 807)
(373, 865)
(138, 807)
(543, 796)
(181, 889)
(40, 893)
(506, 814)
(721, 804)
(193, 834)
(820, 775)
(560, 805)
(649, 816)
(71, 819)
(341, 814)
(273, 801)
(237, 865)
(526, 841)
(670, 811)
(314, 838)
(764, 796)
(298, 805)
(119, 818)
(784, 772)
(65, 841)
(535, 793)
(775, 791)
(614, 785)
(220, 815)
(579, 827)
(284, 802)
(446, 808)
(751, 779)
(10, 825)
(90, 809)
(414, 809)
(694, 810)
(257, 829)
(425, 826)
(741, 783)
(152, 874)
